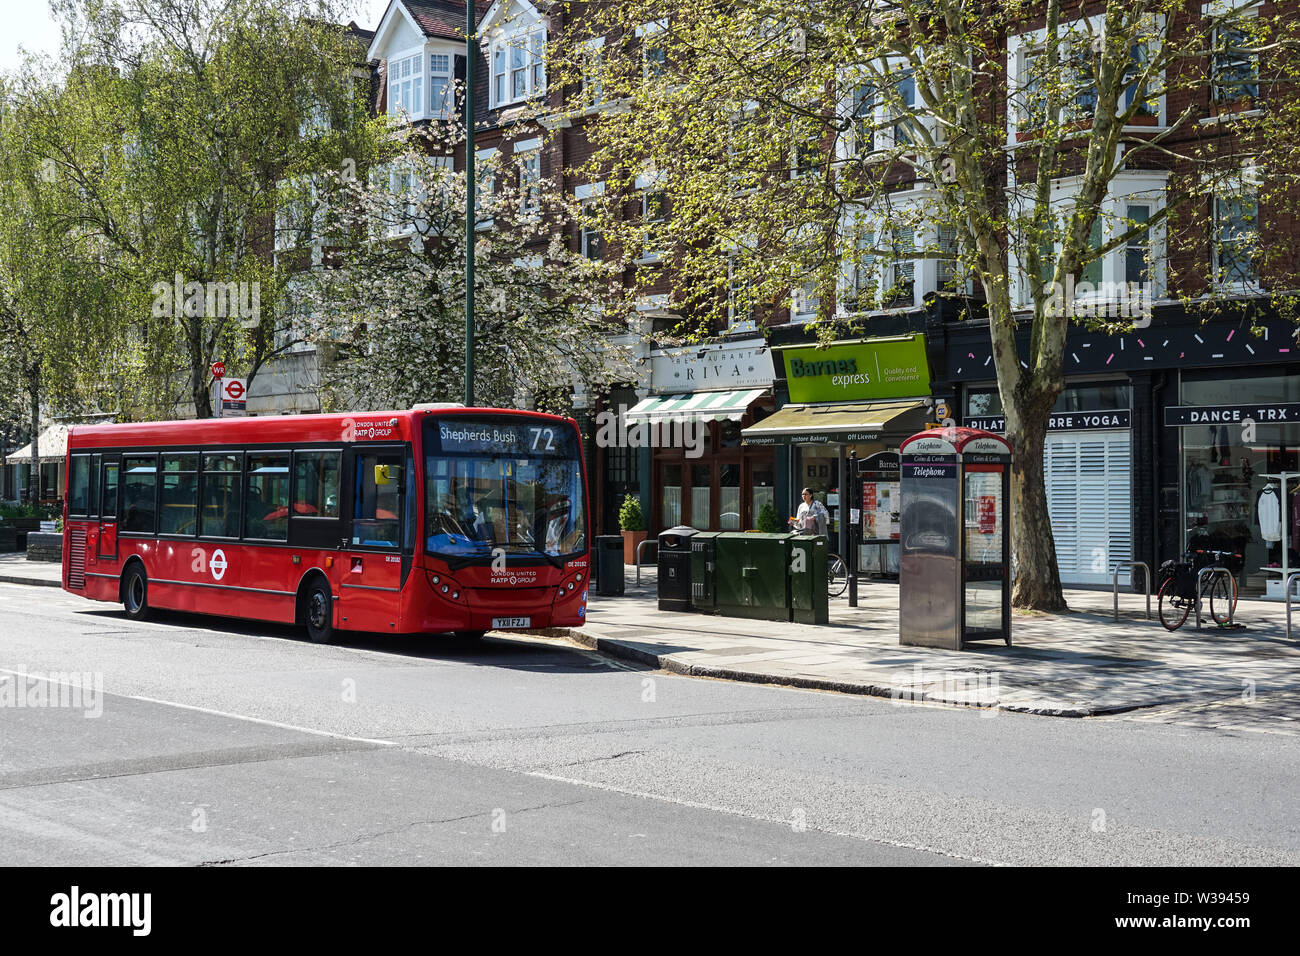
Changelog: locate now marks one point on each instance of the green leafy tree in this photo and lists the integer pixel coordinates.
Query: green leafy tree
(826, 148)
(214, 118)
(55, 285)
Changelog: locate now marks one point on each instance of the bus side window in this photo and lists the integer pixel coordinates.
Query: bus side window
(266, 502)
(79, 486)
(140, 493)
(221, 477)
(180, 494)
(316, 484)
(108, 492)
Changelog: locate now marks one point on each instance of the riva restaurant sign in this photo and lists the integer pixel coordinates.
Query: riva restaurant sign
(710, 367)
(876, 368)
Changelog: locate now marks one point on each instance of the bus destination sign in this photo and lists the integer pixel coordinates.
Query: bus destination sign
(496, 438)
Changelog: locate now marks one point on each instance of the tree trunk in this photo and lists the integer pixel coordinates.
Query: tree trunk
(1038, 578)
(34, 396)
(199, 391)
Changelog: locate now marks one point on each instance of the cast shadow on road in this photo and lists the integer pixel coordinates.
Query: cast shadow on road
(493, 651)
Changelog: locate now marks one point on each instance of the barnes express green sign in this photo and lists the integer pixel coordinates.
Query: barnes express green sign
(877, 368)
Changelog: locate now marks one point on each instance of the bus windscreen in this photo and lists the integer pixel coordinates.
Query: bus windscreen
(500, 484)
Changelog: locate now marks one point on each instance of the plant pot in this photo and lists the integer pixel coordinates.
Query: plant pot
(630, 540)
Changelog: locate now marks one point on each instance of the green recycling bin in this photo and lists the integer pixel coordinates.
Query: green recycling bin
(704, 558)
(750, 577)
(809, 600)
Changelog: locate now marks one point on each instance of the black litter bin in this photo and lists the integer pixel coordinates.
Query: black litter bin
(675, 569)
(609, 565)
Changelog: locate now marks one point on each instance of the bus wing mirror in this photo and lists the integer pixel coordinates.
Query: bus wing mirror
(386, 474)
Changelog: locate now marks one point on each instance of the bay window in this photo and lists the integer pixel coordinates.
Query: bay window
(441, 90)
(406, 86)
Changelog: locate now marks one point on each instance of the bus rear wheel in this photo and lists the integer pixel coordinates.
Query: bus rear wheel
(135, 593)
(318, 613)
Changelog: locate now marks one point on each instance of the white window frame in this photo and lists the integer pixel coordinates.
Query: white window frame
(1021, 48)
(646, 184)
(519, 53)
(738, 322)
(1137, 187)
(1232, 13)
(406, 84)
(592, 53)
(805, 302)
(447, 107)
(485, 186)
(585, 195)
(646, 32)
(528, 157)
(1247, 183)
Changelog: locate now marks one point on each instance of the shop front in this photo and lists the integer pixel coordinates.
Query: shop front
(847, 402)
(1087, 469)
(1239, 468)
(701, 474)
(1176, 435)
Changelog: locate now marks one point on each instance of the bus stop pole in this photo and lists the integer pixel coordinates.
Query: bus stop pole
(854, 496)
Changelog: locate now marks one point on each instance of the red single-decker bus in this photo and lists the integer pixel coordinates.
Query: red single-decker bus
(441, 519)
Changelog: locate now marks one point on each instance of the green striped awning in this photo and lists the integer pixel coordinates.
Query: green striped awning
(697, 406)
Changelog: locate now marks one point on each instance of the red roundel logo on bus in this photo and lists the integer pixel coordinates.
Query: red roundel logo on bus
(217, 564)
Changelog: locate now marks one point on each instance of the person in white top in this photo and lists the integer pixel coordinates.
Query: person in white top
(812, 516)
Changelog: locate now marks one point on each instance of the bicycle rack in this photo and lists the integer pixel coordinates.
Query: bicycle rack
(1115, 583)
(1287, 586)
(638, 557)
(1200, 591)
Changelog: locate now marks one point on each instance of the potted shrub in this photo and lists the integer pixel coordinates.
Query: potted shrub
(632, 523)
(767, 521)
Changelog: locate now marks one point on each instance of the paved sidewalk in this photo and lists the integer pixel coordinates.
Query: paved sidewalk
(16, 569)
(1077, 664)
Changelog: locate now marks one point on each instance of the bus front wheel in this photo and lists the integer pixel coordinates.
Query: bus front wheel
(135, 593)
(319, 613)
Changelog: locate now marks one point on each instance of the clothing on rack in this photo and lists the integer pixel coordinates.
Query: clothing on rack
(1269, 509)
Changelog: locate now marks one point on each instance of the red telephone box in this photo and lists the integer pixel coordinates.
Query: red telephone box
(955, 538)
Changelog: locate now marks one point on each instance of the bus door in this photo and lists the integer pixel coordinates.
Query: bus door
(107, 528)
(370, 569)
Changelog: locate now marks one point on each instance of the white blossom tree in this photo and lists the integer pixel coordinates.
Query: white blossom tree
(386, 303)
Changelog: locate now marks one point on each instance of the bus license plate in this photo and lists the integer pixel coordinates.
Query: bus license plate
(501, 622)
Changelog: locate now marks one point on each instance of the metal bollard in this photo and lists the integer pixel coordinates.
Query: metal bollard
(1200, 588)
(1286, 586)
(638, 557)
(1115, 583)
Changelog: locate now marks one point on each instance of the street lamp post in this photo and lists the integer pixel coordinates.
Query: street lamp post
(470, 27)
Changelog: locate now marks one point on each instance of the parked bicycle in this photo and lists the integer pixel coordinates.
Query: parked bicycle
(1181, 579)
(837, 575)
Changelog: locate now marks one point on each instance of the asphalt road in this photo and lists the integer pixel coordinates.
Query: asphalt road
(220, 742)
